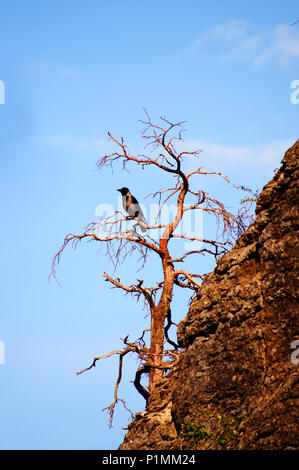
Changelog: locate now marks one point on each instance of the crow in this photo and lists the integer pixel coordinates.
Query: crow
(132, 207)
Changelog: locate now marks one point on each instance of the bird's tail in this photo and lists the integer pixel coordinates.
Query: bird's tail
(143, 229)
(143, 221)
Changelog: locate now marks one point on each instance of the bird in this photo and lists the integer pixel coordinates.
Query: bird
(132, 207)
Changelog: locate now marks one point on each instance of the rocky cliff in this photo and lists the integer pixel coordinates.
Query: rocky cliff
(236, 386)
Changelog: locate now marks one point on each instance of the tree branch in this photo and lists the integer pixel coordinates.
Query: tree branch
(169, 323)
(137, 381)
(189, 277)
(121, 243)
(135, 288)
(199, 172)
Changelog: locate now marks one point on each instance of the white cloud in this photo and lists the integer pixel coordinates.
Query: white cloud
(283, 47)
(53, 69)
(231, 40)
(214, 153)
(229, 31)
(71, 143)
(235, 40)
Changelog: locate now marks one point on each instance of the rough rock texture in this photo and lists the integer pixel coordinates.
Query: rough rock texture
(236, 386)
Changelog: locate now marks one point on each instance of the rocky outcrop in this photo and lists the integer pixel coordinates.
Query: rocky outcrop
(236, 386)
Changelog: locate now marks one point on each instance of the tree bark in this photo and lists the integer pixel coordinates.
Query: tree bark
(158, 315)
(156, 346)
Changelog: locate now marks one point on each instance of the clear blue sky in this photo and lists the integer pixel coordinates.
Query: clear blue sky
(73, 71)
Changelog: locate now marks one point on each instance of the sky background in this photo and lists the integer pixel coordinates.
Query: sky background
(72, 71)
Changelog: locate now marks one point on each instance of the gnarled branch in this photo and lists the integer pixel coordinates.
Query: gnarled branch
(121, 241)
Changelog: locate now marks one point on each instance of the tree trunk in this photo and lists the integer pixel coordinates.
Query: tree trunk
(156, 347)
(158, 315)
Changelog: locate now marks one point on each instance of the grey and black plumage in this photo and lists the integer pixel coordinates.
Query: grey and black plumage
(132, 207)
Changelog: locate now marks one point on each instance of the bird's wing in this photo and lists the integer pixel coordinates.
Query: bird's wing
(134, 200)
(135, 207)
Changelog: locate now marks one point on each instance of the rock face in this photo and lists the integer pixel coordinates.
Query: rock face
(237, 384)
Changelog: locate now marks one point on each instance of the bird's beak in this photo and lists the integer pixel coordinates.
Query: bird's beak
(118, 190)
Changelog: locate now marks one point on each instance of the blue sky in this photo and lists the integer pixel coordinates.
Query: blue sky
(73, 71)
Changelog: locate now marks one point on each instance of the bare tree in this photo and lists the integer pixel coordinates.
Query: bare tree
(156, 358)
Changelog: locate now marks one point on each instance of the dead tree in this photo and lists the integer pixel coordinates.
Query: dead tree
(156, 358)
